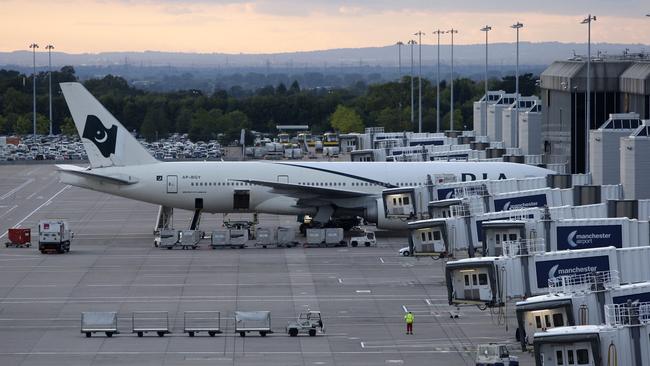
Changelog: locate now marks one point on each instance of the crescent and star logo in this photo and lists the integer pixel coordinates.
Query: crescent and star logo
(102, 137)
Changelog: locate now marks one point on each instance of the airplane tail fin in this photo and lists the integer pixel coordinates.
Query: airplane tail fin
(106, 141)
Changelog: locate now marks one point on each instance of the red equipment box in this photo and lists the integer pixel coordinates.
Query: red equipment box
(20, 236)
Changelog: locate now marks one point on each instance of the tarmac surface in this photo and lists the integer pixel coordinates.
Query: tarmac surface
(363, 293)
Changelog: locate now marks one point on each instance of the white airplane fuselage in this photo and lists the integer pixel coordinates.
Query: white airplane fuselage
(179, 184)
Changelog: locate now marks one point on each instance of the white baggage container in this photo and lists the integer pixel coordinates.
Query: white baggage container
(265, 236)
(334, 237)
(224, 238)
(315, 236)
(286, 236)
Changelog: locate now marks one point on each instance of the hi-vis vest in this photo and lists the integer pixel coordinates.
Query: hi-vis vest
(409, 318)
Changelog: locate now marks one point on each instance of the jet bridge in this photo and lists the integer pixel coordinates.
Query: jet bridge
(622, 340)
(575, 300)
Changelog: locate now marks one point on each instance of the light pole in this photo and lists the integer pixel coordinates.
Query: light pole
(49, 48)
(452, 31)
(486, 29)
(412, 42)
(588, 21)
(34, 46)
(419, 34)
(517, 26)
(399, 59)
(438, 32)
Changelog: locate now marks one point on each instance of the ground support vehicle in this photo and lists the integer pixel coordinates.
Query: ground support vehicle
(253, 321)
(362, 237)
(150, 322)
(493, 354)
(202, 321)
(19, 238)
(54, 235)
(309, 322)
(99, 322)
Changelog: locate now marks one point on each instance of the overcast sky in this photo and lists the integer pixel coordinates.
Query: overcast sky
(261, 26)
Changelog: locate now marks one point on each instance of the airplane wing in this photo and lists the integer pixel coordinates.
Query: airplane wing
(301, 191)
(82, 172)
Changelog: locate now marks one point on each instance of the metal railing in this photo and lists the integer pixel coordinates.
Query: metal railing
(631, 313)
(585, 282)
(471, 191)
(523, 247)
(523, 214)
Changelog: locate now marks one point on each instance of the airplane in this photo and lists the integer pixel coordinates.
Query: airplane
(339, 192)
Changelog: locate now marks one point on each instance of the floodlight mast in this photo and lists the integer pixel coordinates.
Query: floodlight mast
(517, 26)
(452, 31)
(399, 58)
(49, 49)
(419, 34)
(486, 29)
(438, 32)
(34, 46)
(588, 21)
(412, 42)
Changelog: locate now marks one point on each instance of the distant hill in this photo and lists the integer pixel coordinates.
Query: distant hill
(534, 54)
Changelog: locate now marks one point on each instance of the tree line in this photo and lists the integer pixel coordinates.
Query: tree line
(222, 114)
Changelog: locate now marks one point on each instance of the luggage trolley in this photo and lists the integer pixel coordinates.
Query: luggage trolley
(99, 322)
(202, 321)
(19, 238)
(150, 321)
(253, 321)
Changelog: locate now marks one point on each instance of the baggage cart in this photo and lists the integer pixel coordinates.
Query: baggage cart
(99, 322)
(286, 237)
(19, 238)
(265, 236)
(223, 238)
(334, 237)
(315, 237)
(178, 239)
(166, 238)
(202, 321)
(239, 237)
(189, 239)
(253, 321)
(150, 321)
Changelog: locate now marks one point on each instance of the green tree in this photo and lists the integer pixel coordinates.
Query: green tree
(42, 124)
(68, 128)
(155, 123)
(23, 124)
(345, 119)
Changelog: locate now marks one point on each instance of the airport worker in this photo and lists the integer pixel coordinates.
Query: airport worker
(409, 322)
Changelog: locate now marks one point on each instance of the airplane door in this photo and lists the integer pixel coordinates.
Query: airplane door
(172, 184)
(283, 179)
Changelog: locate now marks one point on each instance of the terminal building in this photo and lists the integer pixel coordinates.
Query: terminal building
(618, 85)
